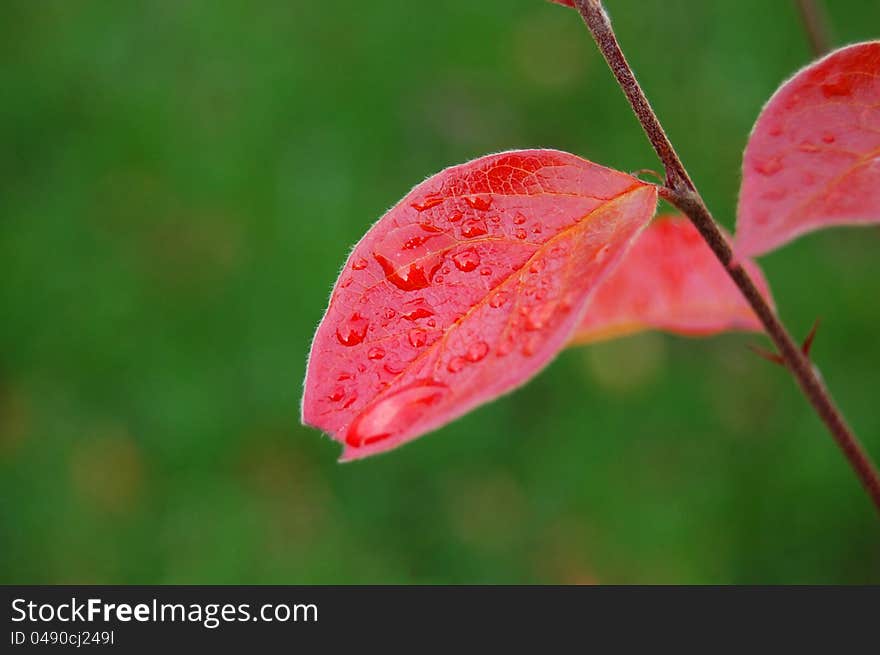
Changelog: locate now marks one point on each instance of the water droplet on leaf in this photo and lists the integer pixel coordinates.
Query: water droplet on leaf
(769, 166)
(466, 260)
(427, 202)
(477, 351)
(473, 227)
(394, 413)
(838, 85)
(455, 364)
(410, 255)
(417, 337)
(416, 309)
(352, 331)
(498, 298)
(480, 203)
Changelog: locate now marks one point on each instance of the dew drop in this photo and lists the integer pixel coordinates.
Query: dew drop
(519, 233)
(432, 322)
(480, 203)
(538, 316)
(416, 309)
(391, 369)
(567, 302)
(417, 337)
(839, 85)
(498, 298)
(601, 254)
(477, 351)
(769, 166)
(410, 255)
(485, 271)
(507, 344)
(439, 279)
(828, 137)
(473, 227)
(537, 266)
(352, 331)
(466, 260)
(346, 283)
(351, 399)
(530, 346)
(519, 219)
(536, 229)
(427, 202)
(456, 364)
(361, 368)
(455, 216)
(395, 413)
(337, 394)
(389, 313)
(359, 264)
(375, 353)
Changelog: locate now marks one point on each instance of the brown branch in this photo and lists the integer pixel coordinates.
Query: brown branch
(815, 25)
(681, 192)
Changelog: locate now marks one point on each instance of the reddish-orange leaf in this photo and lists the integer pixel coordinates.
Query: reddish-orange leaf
(464, 290)
(813, 159)
(564, 3)
(669, 280)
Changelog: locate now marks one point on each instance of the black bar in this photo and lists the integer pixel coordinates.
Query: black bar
(330, 618)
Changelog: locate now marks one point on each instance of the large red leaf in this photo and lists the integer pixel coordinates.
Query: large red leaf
(813, 159)
(669, 280)
(464, 290)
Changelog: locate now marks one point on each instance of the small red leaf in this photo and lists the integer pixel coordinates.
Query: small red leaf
(807, 345)
(813, 159)
(564, 3)
(669, 280)
(464, 290)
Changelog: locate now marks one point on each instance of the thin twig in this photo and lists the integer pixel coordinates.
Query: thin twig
(815, 25)
(681, 192)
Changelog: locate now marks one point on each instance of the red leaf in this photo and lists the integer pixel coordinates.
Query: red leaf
(464, 290)
(564, 3)
(670, 280)
(813, 159)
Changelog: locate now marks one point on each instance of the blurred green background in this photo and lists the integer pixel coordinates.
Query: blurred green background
(180, 182)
